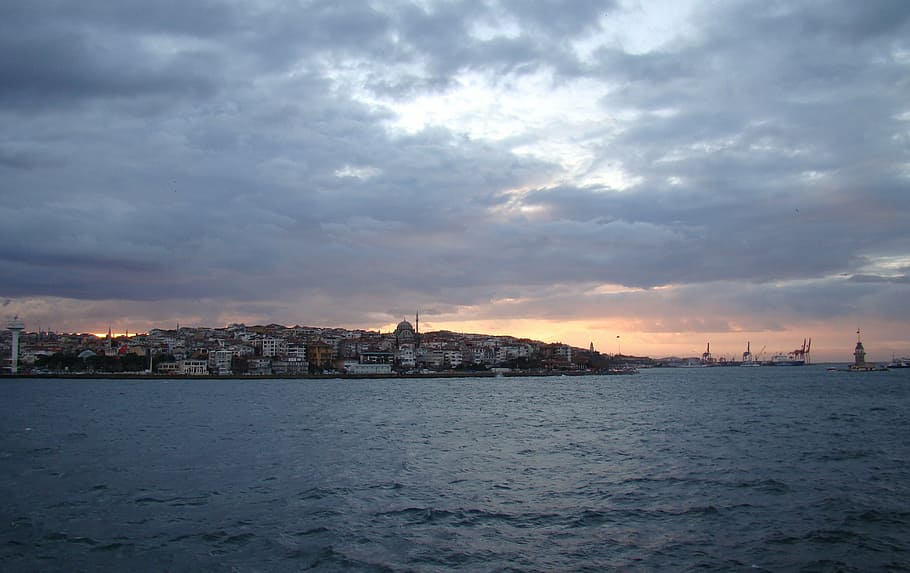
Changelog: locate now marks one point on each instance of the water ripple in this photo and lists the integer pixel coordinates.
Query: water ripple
(666, 471)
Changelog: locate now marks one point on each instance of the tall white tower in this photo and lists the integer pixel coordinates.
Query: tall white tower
(15, 326)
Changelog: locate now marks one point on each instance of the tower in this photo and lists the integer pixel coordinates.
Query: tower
(859, 354)
(15, 326)
(417, 329)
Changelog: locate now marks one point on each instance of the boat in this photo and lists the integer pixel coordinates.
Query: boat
(749, 358)
(867, 368)
(899, 363)
(798, 357)
(782, 359)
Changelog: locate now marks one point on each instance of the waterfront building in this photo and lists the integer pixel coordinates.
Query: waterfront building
(192, 367)
(219, 362)
(376, 357)
(360, 368)
(296, 365)
(169, 368)
(259, 366)
(319, 354)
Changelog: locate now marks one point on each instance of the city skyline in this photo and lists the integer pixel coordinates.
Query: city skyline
(656, 175)
(722, 354)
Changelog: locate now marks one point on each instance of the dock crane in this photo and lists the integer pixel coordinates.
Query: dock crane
(803, 351)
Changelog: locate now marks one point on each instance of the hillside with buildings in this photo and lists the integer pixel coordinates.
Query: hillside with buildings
(277, 350)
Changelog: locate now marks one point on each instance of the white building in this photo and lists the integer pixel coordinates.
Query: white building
(259, 366)
(273, 346)
(518, 351)
(484, 355)
(452, 358)
(406, 356)
(194, 367)
(440, 357)
(219, 362)
(169, 368)
(354, 367)
(563, 352)
(296, 350)
(297, 365)
(242, 350)
(291, 366)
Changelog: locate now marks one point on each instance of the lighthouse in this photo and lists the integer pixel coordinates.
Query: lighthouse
(15, 326)
(859, 355)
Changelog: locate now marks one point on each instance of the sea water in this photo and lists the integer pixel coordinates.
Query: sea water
(715, 469)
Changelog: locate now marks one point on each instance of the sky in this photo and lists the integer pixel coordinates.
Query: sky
(646, 176)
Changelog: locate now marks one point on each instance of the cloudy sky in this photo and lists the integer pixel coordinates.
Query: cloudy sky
(669, 173)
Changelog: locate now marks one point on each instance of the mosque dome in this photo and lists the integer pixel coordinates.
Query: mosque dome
(404, 333)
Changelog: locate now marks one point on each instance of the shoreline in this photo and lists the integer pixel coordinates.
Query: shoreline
(342, 376)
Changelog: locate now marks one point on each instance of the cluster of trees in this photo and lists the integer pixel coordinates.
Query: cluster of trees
(71, 362)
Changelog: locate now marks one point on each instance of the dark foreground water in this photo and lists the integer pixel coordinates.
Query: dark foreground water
(749, 469)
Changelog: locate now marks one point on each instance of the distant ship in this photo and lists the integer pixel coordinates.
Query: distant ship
(798, 357)
(749, 358)
(786, 360)
(899, 363)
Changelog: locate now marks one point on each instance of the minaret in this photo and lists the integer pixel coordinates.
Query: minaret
(15, 326)
(859, 355)
(417, 329)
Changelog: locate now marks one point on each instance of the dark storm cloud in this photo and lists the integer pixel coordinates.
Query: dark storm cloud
(54, 53)
(225, 151)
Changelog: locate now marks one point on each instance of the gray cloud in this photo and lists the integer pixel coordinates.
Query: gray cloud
(226, 153)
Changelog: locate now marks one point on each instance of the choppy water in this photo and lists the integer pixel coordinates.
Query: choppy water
(752, 469)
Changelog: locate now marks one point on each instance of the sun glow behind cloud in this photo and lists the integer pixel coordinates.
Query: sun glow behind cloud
(894, 265)
(535, 115)
(483, 106)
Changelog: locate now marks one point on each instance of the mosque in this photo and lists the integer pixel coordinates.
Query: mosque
(407, 340)
(406, 334)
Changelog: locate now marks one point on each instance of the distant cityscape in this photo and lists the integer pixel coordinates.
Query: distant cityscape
(277, 350)
(300, 351)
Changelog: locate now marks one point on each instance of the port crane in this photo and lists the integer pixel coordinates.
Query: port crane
(803, 351)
